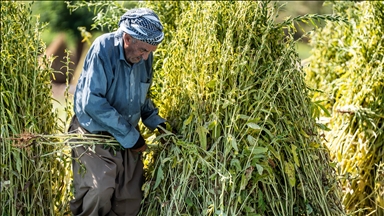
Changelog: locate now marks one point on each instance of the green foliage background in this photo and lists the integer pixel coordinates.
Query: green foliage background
(33, 180)
(346, 67)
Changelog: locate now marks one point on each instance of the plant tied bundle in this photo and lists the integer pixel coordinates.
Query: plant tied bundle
(231, 84)
(347, 68)
(30, 183)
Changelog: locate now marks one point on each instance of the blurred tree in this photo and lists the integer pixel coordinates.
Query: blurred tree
(60, 19)
(63, 18)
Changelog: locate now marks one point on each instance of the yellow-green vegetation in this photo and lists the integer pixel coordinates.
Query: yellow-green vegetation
(31, 183)
(347, 67)
(229, 81)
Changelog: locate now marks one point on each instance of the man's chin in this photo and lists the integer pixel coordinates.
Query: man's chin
(134, 60)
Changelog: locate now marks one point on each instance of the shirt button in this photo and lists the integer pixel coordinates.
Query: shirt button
(131, 100)
(129, 116)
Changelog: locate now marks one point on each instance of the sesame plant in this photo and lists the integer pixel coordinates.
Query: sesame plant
(241, 138)
(346, 69)
(230, 82)
(35, 175)
(30, 183)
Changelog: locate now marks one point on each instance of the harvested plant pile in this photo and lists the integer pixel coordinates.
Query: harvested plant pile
(347, 66)
(231, 84)
(30, 183)
(228, 80)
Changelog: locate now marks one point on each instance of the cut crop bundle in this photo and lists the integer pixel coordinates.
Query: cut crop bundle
(231, 84)
(30, 183)
(347, 66)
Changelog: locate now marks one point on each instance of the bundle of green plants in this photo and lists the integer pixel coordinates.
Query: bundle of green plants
(346, 68)
(33, 181)
(230, 83)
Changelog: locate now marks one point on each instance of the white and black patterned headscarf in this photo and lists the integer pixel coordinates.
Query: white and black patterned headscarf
(142, 24)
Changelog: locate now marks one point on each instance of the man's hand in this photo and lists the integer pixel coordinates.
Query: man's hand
(164, 125)
(140, 145)
(141, 149)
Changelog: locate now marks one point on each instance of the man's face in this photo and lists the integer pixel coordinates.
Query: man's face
(135, 50)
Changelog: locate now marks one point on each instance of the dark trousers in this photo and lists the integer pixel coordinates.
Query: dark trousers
(106, 182)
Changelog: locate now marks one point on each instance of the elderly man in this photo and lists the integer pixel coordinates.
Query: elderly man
(110, 99)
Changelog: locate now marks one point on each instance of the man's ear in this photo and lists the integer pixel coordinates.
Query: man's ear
(127, 38)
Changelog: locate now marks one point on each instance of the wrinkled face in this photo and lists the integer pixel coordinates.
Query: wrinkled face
(135, 50)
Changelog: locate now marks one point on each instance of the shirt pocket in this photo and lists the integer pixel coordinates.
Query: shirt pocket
(143, 91)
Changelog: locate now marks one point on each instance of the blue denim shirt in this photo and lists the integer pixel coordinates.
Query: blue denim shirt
(111, 95)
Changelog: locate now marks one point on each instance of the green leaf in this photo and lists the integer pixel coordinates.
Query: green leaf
(289, 169)
(236, 164)
(159, 177)
(326, 112)
(294, 153)
(234, 143)
(202, 131)
(259, 150)
(226, 104)
(260, 169)
(309, 209)
(188, 120)
(251, 140)
(323, 127)
(189, 202)
(254, 126)
(245, 117)
(211, 84)
(244, 181)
